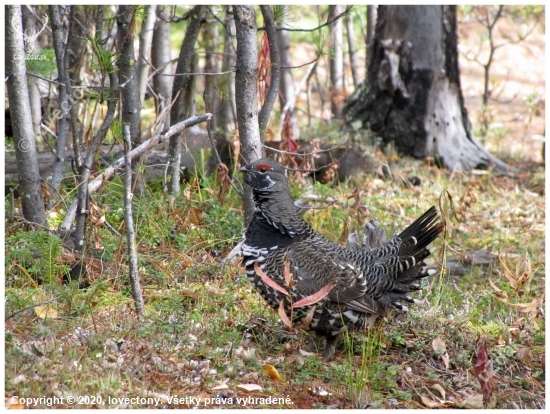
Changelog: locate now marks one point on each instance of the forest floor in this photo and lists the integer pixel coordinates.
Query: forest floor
(207, 338)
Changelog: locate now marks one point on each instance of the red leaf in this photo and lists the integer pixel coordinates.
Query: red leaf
(269, 282)
(483, 373)
(316, 297)
(283, 315)
(308, 319)
(482, 359)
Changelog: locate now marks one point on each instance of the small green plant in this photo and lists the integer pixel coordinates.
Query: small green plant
(363, 377)
(34, 255)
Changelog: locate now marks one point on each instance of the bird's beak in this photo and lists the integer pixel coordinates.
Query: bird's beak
(244, 169)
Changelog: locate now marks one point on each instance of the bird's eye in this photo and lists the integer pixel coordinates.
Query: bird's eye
(263, 168)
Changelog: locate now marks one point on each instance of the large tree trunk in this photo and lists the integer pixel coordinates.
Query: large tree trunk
(412, 94)
(20, 112)
(245, 94)
(371, 24)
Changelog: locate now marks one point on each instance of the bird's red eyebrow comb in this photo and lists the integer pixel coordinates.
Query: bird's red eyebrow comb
(260, 166)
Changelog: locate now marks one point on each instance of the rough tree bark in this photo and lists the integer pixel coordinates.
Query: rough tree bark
(179, 109)
(412, 94)
(129, 94)
(245, 94)
(371, 24)
(336, 63)
(20, 112)
(161, 55)
(59, 34)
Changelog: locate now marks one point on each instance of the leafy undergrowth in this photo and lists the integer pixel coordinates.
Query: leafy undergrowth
(208, 340)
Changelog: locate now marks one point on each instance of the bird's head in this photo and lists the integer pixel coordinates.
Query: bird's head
(265, 175)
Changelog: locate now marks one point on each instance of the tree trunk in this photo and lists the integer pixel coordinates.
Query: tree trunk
(129, 223)
(245, 94)
(228, 110)
(275, 70)
(20, 113)
(145, 41)
(179, 109)
(351, 48)
(412, 94)
(29, 26)
(130, 104)
(161, 55)
(59, 35)
(336, 63)
(77, 44)
(371, 25)
(211, 65)
(80, 25)
(287, 84)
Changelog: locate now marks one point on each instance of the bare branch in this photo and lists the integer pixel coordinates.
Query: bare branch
(288, 29)
(186, 73)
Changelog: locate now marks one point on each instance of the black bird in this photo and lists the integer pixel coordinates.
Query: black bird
(370, 278)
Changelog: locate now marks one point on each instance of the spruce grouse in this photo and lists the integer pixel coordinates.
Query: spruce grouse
(370, 278)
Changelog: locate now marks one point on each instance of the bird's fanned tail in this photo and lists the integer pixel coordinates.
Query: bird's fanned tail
(415, 247)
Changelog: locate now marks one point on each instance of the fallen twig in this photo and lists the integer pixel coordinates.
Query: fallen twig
(136, 152)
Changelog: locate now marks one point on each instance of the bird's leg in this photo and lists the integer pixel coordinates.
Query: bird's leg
(315, 342)
(330, 348)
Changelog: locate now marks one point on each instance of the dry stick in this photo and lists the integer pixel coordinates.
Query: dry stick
(136, 152)
(129, 221)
